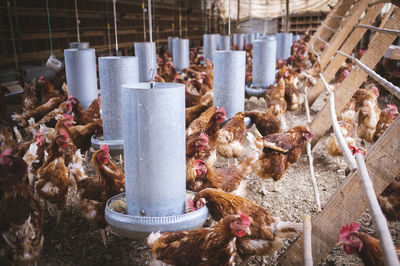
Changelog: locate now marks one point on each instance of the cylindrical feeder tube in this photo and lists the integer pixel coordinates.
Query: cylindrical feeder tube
(259, 35)
(154, 148)
(224, 42)
(80, 69)
(146, 53)
(284, 43)
(264, 61)
(238, 39)
(170, 44)
(229, 81)
(250, 38)
(180, 54)
(287, 45)
(113, 72)
(279, 41)
(210, 46)
(77, 45)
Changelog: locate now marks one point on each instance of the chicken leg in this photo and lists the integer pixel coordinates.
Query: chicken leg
(103, 236)
(58, 218)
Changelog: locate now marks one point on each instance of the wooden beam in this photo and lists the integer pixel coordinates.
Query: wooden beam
(340, 35)
(44, 55)
(349, 86)
(332, 20)
(349, 202)
(347, 47)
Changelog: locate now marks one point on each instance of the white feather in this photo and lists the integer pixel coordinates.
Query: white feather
(152, 238)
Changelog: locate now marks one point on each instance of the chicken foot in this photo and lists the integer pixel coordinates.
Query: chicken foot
(103, 236)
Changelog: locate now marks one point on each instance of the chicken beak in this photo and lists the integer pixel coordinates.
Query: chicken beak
(248, 231)
(339, 243)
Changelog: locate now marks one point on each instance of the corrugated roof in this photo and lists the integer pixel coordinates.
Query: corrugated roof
(272, 8)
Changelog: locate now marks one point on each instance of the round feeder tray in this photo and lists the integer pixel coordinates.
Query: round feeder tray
(115, 146)
(139, 227)
(255, 91)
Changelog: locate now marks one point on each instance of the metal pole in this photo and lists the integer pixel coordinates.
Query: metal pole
(238, 14)
(115, 27)
(287, 16)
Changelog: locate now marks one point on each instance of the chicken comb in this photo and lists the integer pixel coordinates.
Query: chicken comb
(221, 110)
(5, 153)
(190, 202)
(353, 149)
(69, 96)
(198, 162)
(375, 88)
(246, 220)
(99, 101)
(348, 229)
(64, 133)
(204, 136)
(68, 117)
(104, 147)
(392, 107)
(38, 136)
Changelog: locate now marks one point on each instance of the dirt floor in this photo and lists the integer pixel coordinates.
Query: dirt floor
(76, 242)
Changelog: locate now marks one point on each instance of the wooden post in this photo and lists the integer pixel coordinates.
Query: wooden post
(332, 20)
(349, 201)
(340, 35)
(357, 76)
(347, 47)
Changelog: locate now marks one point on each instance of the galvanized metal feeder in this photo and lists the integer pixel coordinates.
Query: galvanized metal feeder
(264, 63)
(284, 43)
(180, 54)
(155, 162)
(80, 69)
(146, 53)
(210, 43)
(113, 72)
(238, 39)
(250, 38)
(77, 45)
(229, 81)
(224, 42)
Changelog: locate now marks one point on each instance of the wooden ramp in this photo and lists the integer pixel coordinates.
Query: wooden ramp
(357, 76)
(349, 45)
(332, 21)
(349, 201)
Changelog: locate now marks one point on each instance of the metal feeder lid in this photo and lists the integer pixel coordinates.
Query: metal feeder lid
(139, 227)
(268, 37)
(254, 91)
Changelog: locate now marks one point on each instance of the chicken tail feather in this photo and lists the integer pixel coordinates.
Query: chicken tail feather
(287, 229)
(153, 238)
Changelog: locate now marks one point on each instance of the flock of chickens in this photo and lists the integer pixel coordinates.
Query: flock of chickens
(43, 151)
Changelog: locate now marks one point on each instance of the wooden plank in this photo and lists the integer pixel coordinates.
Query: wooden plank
(347, 47)
(332, 20)
(338, 21)
(349, 86)
(349, 202)
(340, 35)
(384, 20)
